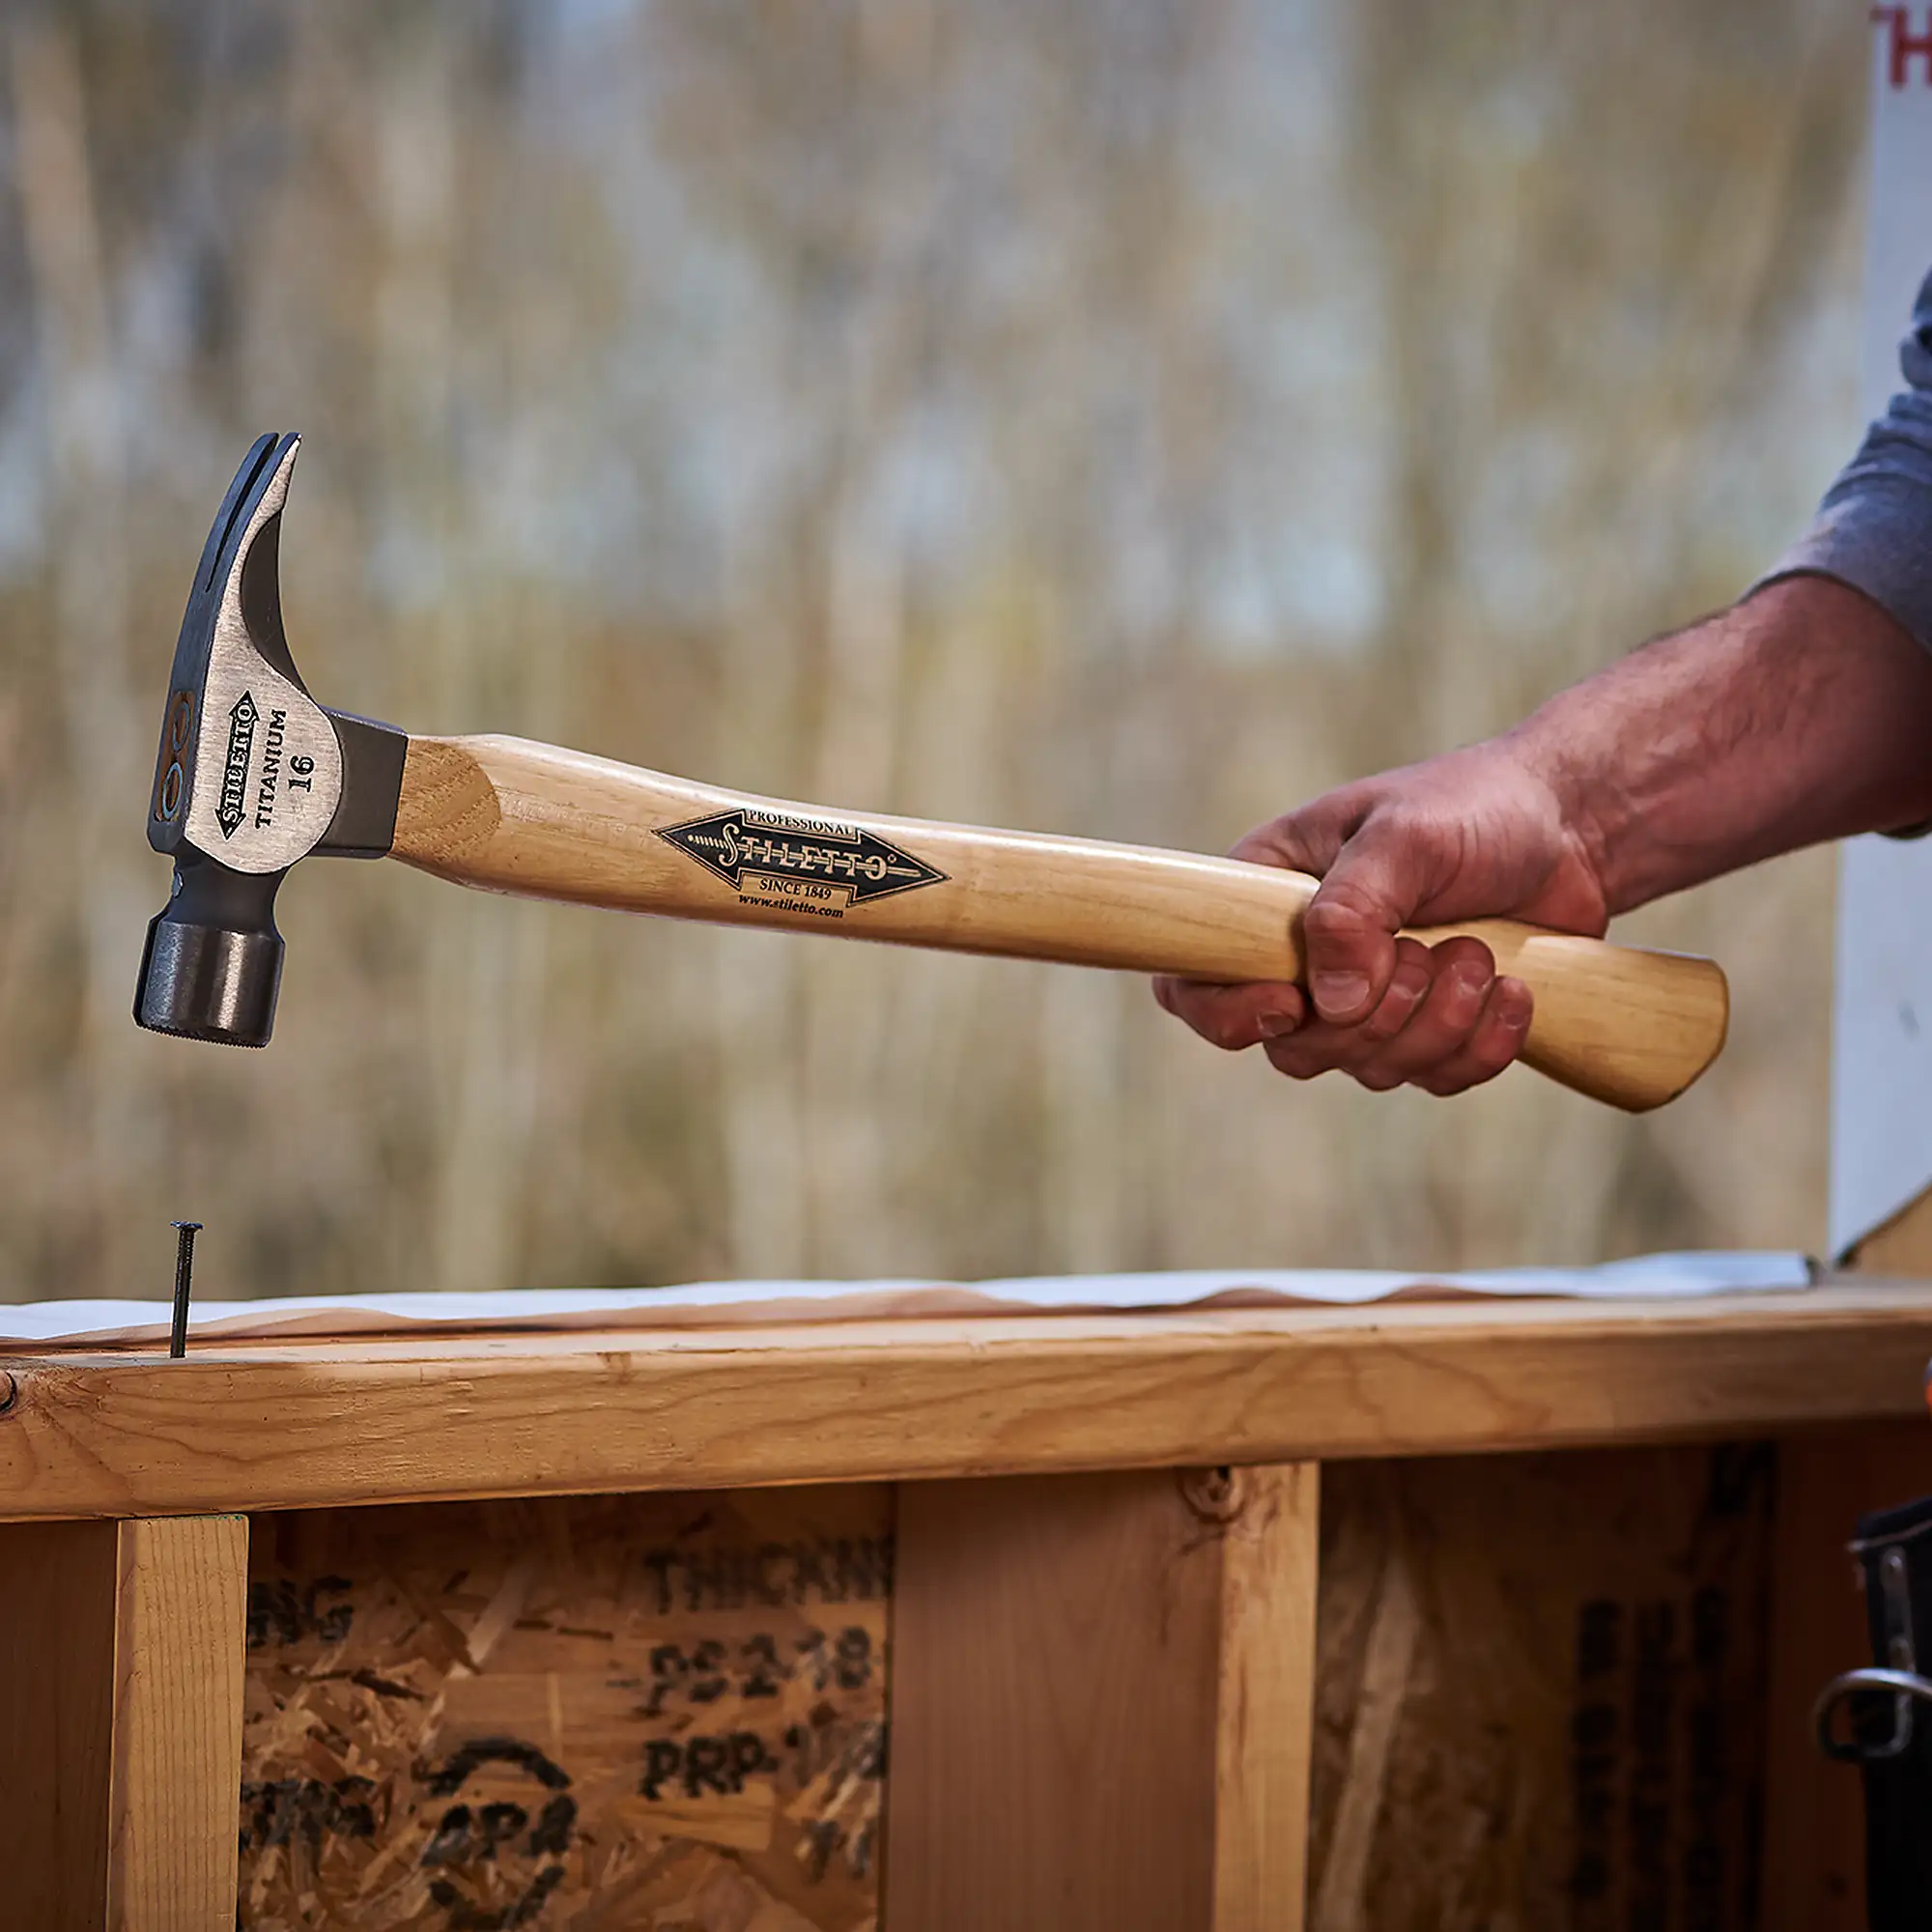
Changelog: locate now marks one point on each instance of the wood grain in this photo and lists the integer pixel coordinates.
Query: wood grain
(1265, 1698)
(1541, 1692)
(294, 1425)
(1814, 1841)
(56, 1625)
(182, 1595)
(1066, 1653)
(1628, 1026)
(121, 1650)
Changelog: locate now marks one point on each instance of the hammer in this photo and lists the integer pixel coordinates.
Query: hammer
(254, 775)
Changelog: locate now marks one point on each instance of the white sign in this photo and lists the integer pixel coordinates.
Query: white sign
(1881, 1046)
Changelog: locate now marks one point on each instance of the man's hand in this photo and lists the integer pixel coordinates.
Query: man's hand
(1802, 714)
(1473, 834)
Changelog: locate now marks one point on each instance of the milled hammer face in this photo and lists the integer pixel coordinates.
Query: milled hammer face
(252, 775)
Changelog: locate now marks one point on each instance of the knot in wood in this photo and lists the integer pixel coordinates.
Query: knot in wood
(1214, 1495)
(9, 1392)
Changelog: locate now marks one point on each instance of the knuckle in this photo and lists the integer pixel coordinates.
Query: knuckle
(1297, 1063)
(1292, 1071)
(1209, 1013)
(1304, 840)
(1474, 1072)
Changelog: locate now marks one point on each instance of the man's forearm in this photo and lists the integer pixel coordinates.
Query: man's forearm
(1801, 714)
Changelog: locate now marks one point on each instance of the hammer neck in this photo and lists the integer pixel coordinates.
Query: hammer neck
(364, 824)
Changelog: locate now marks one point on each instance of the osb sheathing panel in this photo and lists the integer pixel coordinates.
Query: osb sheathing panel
(1540, 1702)
(662, 1712)
(1539, 1705)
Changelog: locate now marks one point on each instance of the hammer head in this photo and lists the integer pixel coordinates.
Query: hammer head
(252, 775)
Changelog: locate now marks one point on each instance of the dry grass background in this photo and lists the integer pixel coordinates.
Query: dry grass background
(1123, 418)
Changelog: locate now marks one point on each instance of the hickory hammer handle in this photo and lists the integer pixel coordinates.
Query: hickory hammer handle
(1628, 1027)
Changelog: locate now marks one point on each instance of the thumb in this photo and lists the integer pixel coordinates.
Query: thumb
(1367, 896)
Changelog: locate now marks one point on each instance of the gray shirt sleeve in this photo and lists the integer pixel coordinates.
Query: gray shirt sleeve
(1874, 529)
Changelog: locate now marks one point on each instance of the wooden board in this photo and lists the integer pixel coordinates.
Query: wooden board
(618, 1712)
(1540, 1698)
(306, 1425)
(1269, 1526)
(181, 1588)
(56, 1625)
(1814, 1846)
(121, 1680)
(1100, 1703)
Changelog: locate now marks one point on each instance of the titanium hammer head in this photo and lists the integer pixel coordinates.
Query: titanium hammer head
(252, 775)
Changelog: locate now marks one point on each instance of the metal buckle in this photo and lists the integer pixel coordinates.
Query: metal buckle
(1901, 1678)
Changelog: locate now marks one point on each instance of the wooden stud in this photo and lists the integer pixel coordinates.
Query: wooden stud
(1266, 1698)
(1628, 1027)
(1100, 1700)
(121, 1672)
(179, 1654)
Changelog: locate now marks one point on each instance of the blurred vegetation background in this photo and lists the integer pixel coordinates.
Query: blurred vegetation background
(1118, 417)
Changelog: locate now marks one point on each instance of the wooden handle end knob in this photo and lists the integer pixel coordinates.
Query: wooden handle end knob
(1618, 1024)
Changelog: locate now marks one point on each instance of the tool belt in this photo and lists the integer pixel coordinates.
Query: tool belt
(1880, 1719)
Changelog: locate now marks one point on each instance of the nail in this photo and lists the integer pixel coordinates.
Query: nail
(1275, 1024)
(184, 1234)
(1339, 995)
